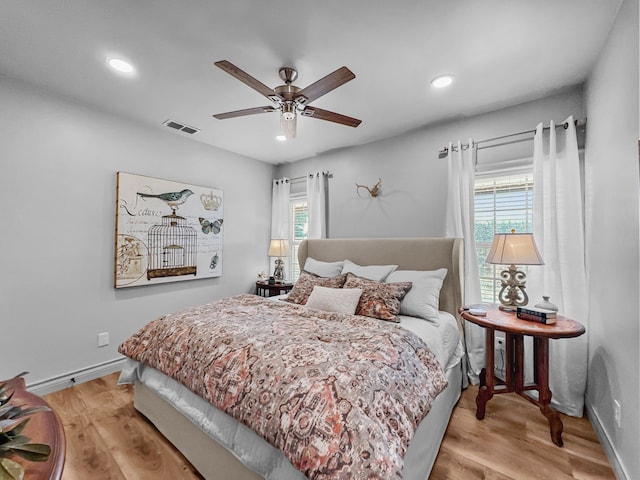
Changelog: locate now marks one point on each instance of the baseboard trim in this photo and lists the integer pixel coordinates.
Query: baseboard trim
(70, 379)
(605, 440)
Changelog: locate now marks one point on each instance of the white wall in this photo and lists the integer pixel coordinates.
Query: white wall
(612, 238)
(59, 163)
(411, 203)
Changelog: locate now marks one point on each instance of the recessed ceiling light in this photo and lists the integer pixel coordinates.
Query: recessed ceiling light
(120, 65)
(281, 138)
(442, 81)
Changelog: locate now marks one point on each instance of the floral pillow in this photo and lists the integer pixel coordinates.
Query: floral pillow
(304, 286)
(378, 300)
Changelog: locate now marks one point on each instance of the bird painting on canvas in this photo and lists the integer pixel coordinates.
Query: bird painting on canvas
(173, 199)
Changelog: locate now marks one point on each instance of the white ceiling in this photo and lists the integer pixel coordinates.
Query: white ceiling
(502, 52)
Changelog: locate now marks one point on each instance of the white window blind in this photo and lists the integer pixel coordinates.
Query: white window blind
(299, 228)
(502, 203)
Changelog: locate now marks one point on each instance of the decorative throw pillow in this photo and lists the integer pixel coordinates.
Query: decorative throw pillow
(378, 300)
(304, 286)
(423, 300)
(323, 269)
(371, 272)
(340, 300)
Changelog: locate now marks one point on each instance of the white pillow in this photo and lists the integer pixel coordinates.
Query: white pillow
(424, 297)
(323, 269)
(340, 300)
(376, 273)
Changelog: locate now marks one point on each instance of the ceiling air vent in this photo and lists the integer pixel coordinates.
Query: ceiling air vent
(181, 127)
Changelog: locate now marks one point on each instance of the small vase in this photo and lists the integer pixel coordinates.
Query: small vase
(546, 304)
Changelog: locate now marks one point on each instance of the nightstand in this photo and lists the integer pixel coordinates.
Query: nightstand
(515, 330)
(266, 289)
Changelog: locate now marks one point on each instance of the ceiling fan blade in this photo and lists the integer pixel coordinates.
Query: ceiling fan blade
(244, 77)
(246, 111)
(324, 85)
(321, 114)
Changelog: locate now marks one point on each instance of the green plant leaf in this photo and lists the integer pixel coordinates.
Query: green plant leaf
(34, 452)
(17, 430)
(7, 425)
(5, 409)
(4, 397)
(31, 410)
(10, 470)
(15, 442)
(11, 411)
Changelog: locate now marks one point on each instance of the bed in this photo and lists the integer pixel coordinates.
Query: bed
(221, 447)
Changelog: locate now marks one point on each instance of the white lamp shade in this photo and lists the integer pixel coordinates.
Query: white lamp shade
(279, 248)
(514, 249)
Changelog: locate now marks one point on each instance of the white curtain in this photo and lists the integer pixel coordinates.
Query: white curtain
(558, 226)
(317, 204)
(460, 223)
(281, 189)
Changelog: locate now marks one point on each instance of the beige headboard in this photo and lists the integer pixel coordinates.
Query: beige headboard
(407, 253)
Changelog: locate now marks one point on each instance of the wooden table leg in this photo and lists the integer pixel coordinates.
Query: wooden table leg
(518, 362)
(541, 356)
(487, 378)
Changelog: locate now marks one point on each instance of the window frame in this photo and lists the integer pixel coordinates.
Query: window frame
(292, 267)
(490, 281)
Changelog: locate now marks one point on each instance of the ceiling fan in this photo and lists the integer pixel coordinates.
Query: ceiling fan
(290, 100)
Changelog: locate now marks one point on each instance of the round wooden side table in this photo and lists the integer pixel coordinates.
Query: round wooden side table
(515, 330)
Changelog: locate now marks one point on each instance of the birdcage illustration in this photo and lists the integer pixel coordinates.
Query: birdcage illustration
(172, 248)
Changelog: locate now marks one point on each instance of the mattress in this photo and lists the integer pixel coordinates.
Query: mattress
(261, 457)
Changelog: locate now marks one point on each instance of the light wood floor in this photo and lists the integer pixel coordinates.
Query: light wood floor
(108, 439)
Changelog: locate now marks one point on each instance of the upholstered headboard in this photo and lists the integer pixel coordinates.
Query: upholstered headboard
(407, 253)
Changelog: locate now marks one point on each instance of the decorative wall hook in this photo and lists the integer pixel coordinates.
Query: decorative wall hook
(373, 191)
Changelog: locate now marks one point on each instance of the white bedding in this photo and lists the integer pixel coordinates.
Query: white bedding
(253, 451)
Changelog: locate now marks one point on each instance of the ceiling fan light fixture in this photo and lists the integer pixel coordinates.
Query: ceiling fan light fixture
(288, 120)
(442, 81)
(288, 126)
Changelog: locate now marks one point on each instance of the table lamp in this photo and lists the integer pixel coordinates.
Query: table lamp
(279, 248)
(511, 249)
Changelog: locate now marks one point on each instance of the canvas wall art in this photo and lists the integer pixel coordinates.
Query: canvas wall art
(166, 231)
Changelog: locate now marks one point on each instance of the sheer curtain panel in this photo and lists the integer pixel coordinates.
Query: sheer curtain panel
(317, 204)
(558, 226)
(460, 223)
(280, 193)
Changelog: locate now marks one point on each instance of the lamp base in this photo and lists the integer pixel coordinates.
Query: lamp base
(278, 272)
(512, 294)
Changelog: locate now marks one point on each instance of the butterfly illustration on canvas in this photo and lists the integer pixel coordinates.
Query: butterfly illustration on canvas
(211, 227)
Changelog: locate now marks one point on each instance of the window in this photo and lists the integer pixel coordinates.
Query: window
(502, 203)
(299, 227)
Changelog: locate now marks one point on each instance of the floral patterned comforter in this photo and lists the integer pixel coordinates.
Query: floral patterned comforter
(340, 395)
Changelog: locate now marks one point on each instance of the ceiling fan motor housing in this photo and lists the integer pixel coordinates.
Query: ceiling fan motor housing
(288, 74)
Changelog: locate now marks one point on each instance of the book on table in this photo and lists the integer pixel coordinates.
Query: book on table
(535, 314)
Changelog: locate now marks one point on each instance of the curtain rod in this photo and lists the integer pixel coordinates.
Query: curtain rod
(304, 177)
(445, 150)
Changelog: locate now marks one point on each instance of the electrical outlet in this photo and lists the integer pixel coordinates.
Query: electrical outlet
(617, 413)
(103, 339)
